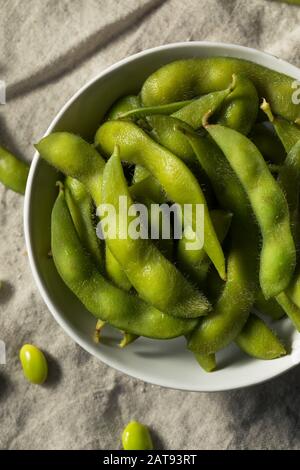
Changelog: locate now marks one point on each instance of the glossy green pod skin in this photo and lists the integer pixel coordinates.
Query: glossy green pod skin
(136, 436)
(13, 172)
(288, 132)
(268, 143)
(174, 176)
(105, 301)
(204, 75)
(34, 364)
(195, 263)
(278, 255)
(156, 280)
(258, 340)
(81, 208)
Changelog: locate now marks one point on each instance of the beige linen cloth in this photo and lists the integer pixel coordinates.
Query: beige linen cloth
(48, 49)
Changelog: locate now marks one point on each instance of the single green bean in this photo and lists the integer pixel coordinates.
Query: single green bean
(136, 436)
(105, 301)
(13, 172)
(177, 180)
(204, 75)
(278, 256)
(156, 279)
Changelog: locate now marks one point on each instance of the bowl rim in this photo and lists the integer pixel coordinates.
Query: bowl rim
(246, 381)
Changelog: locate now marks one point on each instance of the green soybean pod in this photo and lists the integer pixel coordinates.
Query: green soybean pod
(239, 109)
(34, 364)
(278, 256)
(75, 157)
(289, 181)
(195, 263)
(266, 140)
(136, 436)
(259, 341)
(174, 176)
(207, 362)
(269, 307)
(204, 75)
(150, 188)
(123, 105)
(193, 113)
(288, 132)
(156, 280)
(232, 306)
(81, 208)
(106, 302)
(231, 310)
(13, 172)
(114, 272)
(148, 110)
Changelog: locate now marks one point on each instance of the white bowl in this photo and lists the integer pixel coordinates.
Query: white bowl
(165, 363)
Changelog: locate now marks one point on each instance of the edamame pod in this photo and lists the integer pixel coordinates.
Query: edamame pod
(193, 113)
(204, 75)
(80, 205)
(232, 308)
(105, 301)
(123, 105)
(156, 279)
(207, 362)
(288, 132)
(239, 109)
(289, 181)
(278, 256)
(177, 180)
(13, 172)
(268, 307)
(268, 143)
(114, 271)
(75, 157)
(195, 263)
(149, 110)
(258, 340)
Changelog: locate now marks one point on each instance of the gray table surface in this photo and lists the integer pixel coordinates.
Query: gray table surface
(48, 49)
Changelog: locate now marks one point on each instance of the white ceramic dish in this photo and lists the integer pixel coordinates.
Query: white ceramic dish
(165, 363)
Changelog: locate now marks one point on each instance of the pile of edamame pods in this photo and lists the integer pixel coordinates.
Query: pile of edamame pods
(221, 132)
